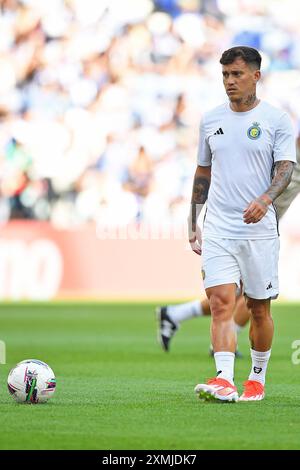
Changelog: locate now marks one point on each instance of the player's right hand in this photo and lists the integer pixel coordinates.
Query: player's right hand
(195, 239)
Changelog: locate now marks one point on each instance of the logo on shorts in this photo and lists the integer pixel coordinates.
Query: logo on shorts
(203, 274)
(254, 131)
(269, 286)
(257, 370)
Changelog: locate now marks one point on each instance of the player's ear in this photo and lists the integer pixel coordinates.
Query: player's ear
(257, 75)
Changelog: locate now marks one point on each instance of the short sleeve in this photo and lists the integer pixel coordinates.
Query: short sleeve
(285, 140)
(204, 152)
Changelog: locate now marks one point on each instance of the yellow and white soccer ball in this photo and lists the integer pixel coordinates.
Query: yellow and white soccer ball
(31, 381)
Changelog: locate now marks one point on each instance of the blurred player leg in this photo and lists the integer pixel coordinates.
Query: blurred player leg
(169, 318)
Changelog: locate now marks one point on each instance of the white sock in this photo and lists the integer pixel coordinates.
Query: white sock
(259, 365)
(181, 312)
(225, 365)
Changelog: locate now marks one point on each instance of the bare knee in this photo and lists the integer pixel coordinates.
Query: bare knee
(221, 305)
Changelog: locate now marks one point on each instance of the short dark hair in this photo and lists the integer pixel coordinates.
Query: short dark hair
(248, 54)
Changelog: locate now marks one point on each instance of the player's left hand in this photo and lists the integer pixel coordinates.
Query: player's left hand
(195, 239)
(257, 209)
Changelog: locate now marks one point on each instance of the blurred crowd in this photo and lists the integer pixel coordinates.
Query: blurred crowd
(100, 100)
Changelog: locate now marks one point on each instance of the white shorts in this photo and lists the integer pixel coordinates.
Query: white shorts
(254, 262)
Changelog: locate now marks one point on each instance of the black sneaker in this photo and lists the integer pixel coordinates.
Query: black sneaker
(166, 328)
(238, 354)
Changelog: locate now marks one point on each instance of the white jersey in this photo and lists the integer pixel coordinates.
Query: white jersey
(241, 148)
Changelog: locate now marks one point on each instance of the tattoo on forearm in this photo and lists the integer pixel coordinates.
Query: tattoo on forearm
(194, 217)
(200, 190)
(199, 196)
(250, 99)
(282, 178)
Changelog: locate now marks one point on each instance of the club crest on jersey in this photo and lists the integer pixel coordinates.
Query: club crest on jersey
(254, 131)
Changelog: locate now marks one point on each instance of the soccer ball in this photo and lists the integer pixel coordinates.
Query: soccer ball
(31, 381)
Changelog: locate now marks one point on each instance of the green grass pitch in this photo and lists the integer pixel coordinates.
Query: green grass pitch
(118, 390)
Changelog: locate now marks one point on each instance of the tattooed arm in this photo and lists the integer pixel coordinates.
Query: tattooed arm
(282, 176)
(199, 196)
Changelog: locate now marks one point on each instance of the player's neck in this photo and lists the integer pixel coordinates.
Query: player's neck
(245, 104)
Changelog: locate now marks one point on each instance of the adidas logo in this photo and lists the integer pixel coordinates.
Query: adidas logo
(269, 286)
(219, 131)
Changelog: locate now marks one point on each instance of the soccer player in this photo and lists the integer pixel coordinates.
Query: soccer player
(245, 161)
(171, 316)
